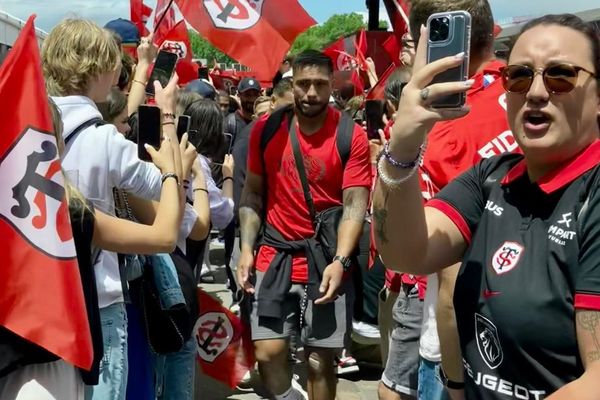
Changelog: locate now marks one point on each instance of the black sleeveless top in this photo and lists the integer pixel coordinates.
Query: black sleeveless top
(17, 352)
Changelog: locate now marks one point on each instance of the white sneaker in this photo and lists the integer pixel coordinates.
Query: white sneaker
(297, 386)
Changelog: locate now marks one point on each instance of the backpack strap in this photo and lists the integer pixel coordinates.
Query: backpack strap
(345, 131)
(94, 121)
(273, 123)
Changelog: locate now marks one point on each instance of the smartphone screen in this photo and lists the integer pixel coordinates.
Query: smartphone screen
(374, 117)
(183, 125)
(203, 73)
(148, 130)
(228, 142)
(164, 65)
(449, 34)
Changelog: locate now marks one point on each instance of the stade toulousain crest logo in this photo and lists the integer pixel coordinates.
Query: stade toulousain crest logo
(506, 258)
(234, 14)
(178, 48)
(213, 332)
(33, 196)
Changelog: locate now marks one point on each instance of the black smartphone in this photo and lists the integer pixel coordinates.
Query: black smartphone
(164, 65)
(374, 116)
(450, 34)
(203, 73)
(228, 142)
(148, 130)
(183, 125)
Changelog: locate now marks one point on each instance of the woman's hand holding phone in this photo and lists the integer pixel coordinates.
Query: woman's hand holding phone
(228, 166)
(166, 98)
(188, 155)
(415, 116)
(164, 157)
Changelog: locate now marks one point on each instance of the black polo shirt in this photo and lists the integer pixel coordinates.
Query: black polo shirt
(533, 258)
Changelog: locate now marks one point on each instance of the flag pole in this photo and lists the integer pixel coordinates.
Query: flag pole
(162, 17)
(402, 13)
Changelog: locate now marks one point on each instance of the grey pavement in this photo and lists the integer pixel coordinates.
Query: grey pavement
(361, 385)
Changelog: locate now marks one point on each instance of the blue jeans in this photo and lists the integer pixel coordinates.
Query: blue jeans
(140, 381)
(175, 373)
(112, 384)
(431, 386)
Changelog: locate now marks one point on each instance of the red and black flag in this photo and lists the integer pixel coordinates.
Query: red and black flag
(256, 33)
(41, 292)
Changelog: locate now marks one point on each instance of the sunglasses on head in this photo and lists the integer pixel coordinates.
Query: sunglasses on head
(558, 78)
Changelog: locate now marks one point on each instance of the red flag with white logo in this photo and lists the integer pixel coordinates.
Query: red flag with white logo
(41, 293)
(166, 16)
(139, 13)
(224, 348)
(177, 41)
(348, 54)
(257, 33)
(398, 11)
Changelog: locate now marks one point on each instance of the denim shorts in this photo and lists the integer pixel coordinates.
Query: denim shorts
(431, 386)
(402, 368)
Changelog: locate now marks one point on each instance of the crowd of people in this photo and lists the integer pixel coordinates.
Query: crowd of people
(462, 240)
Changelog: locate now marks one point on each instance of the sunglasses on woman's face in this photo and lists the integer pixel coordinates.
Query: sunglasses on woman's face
(558, 78)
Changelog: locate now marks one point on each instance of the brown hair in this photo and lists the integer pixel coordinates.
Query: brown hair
(114, 105)
(482, 23)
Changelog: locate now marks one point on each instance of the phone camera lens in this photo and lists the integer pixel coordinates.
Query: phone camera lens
(439, 29)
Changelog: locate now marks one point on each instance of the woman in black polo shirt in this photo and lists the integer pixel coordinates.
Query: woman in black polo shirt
(526, 227)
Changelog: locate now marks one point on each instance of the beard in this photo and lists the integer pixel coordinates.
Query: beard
(313, 112)
(248, 107)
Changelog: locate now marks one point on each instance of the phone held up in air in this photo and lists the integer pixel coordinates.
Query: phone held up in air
(374, 117)
(164, 65)
(228, 142)
(449, 35)
(148, 130)
(183, 125)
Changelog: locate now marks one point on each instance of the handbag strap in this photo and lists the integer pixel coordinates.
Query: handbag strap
(301, 170)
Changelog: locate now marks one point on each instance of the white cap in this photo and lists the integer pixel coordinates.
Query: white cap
(288, 74)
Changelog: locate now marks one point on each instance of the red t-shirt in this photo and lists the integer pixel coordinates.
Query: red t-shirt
(286, 209)
(455, 146)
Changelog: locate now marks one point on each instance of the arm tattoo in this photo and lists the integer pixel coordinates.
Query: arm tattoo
(589, 321)
(251, 205)
(355, 204)
(380, 215)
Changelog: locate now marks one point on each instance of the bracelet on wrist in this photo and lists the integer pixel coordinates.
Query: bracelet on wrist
(399, 164)
(168, 175)
(385, 157)
(168, 123)
(227, 178)
(200, 189)
(450, 384)
(138, 81)
(390, 182)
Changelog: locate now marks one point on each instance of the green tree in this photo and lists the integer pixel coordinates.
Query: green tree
(201, 48)
(319, 36)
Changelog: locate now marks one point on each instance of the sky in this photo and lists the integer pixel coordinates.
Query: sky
(49, 12)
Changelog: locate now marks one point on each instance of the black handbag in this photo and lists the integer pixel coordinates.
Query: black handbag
(166, 330)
